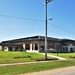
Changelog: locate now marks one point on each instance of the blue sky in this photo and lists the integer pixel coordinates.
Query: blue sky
(62, 25)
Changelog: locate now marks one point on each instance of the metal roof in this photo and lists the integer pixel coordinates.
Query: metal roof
(33, 38)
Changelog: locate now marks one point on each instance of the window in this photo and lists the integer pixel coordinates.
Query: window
(42, 46)
(71, 49)
(63, 49)
(16, 48)
(27, 46)
(36, 46)
(10, 48)
(66, 49)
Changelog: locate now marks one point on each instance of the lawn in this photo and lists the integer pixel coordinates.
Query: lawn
(65, 55)
(20, 69)
(13, 57)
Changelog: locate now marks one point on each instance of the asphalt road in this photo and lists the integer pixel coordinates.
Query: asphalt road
(72, 72)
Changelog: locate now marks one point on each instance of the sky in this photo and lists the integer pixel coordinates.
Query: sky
(25, 18)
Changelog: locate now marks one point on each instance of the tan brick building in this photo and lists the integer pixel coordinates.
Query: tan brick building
(37, 43)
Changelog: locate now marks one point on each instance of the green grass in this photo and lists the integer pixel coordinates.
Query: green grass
(20, 69)
(13, 57)
(64, 55)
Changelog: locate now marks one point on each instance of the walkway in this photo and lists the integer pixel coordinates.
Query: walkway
(23, 63)
(60, 58)
(10, 64)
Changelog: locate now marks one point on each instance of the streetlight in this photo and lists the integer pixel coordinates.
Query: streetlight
(49, 1)
(46, 1)
(50, 18)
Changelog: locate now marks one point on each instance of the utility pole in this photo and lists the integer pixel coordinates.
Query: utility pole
(57, 47)
(45, 29)
(46, 1)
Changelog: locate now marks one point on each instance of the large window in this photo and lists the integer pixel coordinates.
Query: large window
(36, 46)
(65, 49)
(16, 48)
(27, 46)
(42, 46)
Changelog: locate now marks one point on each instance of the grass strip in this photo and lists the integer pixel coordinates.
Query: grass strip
(20, 69)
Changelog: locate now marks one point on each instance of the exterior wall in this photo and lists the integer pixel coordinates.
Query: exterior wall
(71, 48)
(64, 48)
(68, 46)
(32, 46)
(52, 45)
(24, 47)
(0, 47)
(40, 44)
(5, 48)
(11, 48)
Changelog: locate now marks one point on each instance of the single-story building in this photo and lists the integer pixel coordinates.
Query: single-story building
(37, 44)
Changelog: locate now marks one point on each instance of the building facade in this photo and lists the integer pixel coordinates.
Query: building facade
(0, 47)
(37, 44)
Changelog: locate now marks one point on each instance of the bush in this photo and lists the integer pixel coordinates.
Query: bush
(22, 57)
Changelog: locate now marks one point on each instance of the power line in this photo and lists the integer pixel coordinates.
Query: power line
(37, 16)
(37, 20)
(19, 18)
(61, 28)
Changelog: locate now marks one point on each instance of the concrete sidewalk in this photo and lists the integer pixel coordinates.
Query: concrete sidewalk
(23, 63)
(60, 58)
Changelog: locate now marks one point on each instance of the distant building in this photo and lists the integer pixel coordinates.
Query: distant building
(37, 44)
